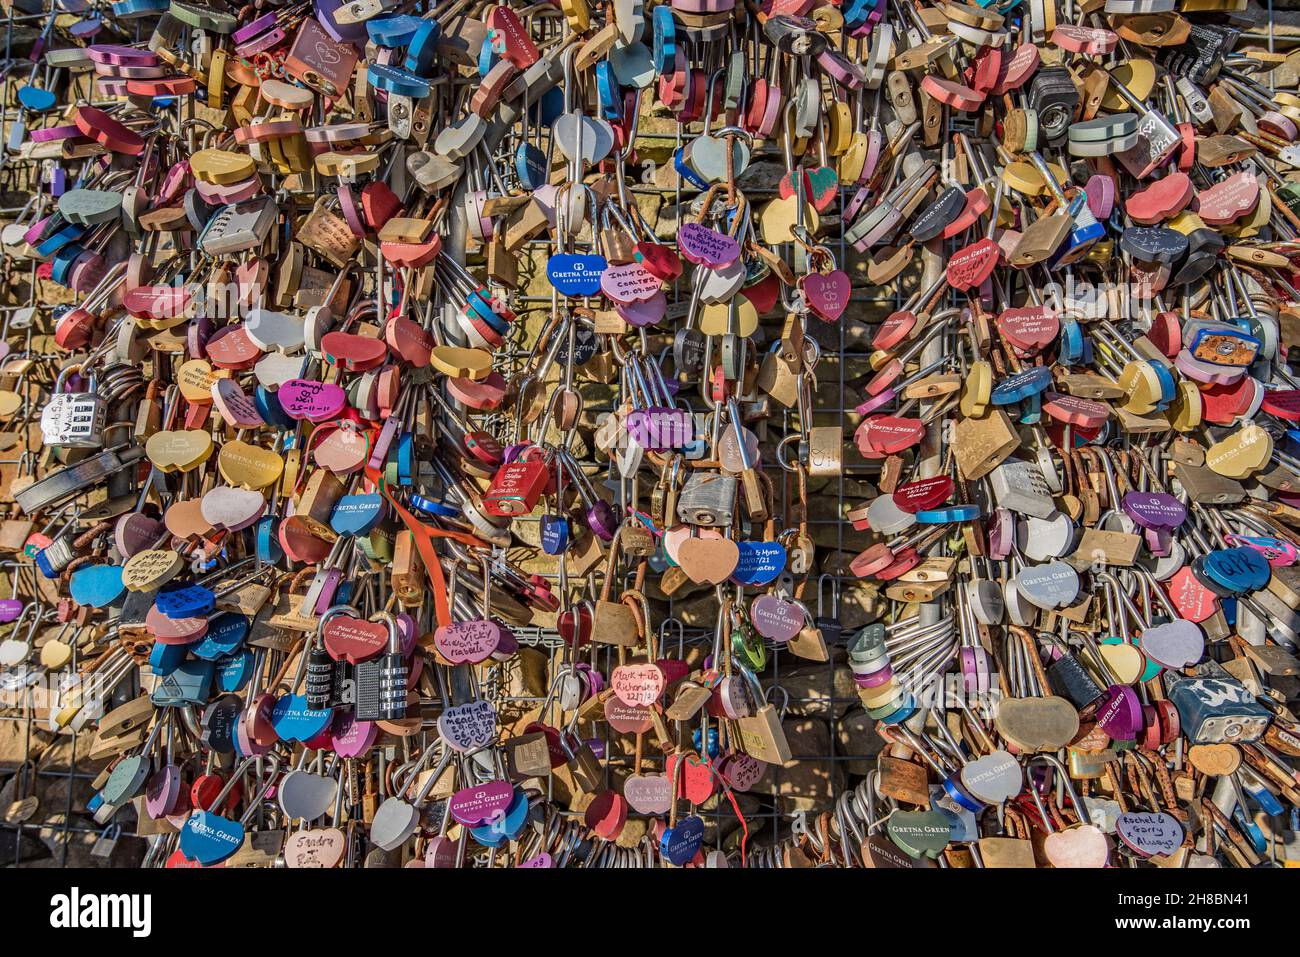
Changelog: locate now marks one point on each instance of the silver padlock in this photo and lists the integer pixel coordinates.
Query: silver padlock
(572, 690)
(707, 499)
(74, 420)
(1019, 486)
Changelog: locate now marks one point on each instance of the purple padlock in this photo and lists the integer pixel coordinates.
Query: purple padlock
(197, 336)
(406, 631)
(355, 33)
(1001, 533)
(601, 518)
(1154, 510)
(875, 678)
(1158, 541)
(10, 609)
(1120, 716)
(256, 28)
(512, 452)
(660, 429)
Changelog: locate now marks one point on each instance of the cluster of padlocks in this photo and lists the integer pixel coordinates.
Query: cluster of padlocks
(370, 416)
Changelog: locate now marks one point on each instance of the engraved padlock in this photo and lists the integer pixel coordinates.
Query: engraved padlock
(517, 485)
(74, 420)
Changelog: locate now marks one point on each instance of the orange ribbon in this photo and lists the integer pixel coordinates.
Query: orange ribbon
(424, 536)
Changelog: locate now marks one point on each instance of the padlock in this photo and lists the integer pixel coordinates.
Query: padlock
(517, 485)
(321, 680)
(1053, 98)
(391, 675)
(1216, 709)
(74, 420)
(707, 499)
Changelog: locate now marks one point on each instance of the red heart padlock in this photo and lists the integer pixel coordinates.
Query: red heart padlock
(353, 352)
(1029, 328)
(1163, 199)
(693, 775)
(917, 496)
(380, 204)
(889, 434)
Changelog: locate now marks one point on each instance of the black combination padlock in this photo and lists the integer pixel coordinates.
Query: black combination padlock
(1053, 96)
(319, 684)
(391, 675)
(1200, 57)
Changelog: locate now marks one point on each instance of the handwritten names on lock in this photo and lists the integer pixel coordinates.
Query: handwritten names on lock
(467, 641)
(637, 684)
(468, 727)
(307, 399)
(706, 247)
(629, 283)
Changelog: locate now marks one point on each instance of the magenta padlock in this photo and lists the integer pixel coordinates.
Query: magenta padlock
(331, 578)
(596, 678)
(380, 452)
(657, 425)
(196, 337)
(1001, 533)
(406, 632)
(354, 33)
(261, 44)
(34, 231)
(540, 594)
(856, 203)
(512, 452)
(1158, 541)
(507, 645)
(10, 609)
(174, 181)
(603, 521)
(975, 669)
(352, 214)
(652, 428)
